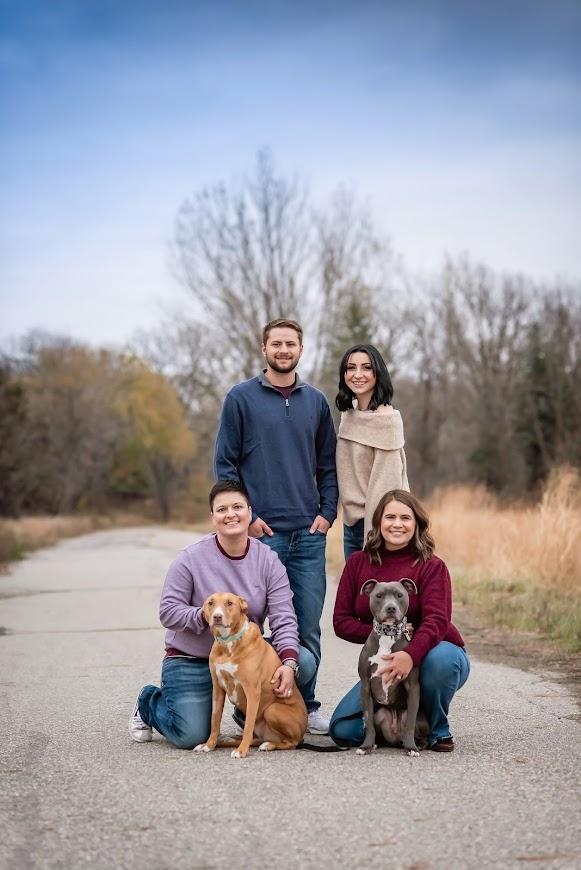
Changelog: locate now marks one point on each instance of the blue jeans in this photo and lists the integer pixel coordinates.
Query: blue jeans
(353, 538)
(443, 671)
(303, 556)
(182, 709)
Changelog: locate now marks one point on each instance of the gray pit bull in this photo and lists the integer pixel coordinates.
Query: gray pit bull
(392, 707)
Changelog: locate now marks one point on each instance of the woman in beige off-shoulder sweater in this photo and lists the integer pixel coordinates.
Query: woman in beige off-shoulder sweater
(370, 444)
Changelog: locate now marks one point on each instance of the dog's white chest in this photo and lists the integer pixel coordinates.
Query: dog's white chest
(223, 670)
(385, 645)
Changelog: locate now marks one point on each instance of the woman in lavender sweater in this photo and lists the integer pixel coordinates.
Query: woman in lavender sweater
(226, 561)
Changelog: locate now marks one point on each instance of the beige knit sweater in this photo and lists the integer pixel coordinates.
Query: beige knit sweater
(370, 461)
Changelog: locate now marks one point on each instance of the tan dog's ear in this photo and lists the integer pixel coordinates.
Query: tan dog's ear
(206, 609)
(243, 605)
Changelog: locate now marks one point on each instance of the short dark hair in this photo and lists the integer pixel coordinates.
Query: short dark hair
(227, 486)
(422, 542)
(383, 390)
(282, 323)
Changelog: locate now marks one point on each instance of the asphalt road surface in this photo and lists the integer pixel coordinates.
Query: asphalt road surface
(79, 638)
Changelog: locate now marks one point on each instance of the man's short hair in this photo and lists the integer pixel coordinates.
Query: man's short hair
(227, 486)
(283, 323)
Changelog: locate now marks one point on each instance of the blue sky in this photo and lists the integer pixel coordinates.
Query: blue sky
(460, 122)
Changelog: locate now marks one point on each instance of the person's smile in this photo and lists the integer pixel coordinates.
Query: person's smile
(398, 525)
(360, 378)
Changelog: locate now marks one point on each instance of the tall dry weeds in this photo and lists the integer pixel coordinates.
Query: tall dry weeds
(518, 564)
(538, 544)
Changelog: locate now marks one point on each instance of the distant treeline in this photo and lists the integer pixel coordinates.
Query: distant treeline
(486, 366)
(81, 429)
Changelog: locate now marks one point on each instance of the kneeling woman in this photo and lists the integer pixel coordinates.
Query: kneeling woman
(400, 545)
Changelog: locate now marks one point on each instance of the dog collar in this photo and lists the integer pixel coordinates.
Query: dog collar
(232, 638)
(396, 631)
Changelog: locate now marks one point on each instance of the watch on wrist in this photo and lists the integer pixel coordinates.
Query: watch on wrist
(292, 664)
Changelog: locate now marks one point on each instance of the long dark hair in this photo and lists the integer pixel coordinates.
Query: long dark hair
(383, 390)
(422, 541)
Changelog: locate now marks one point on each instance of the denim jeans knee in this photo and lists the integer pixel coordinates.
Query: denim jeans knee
(443, 671)
(307, 667)
(181, 709)
(346, 727)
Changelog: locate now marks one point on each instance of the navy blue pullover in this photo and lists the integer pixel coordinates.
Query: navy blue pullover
(283, 450)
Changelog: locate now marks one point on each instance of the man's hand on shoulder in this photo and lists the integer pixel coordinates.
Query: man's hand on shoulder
(259, 528)
(320, 524)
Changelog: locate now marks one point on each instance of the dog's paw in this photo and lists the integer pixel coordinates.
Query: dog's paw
(202, 747)
(365, 750)
(267, 746)
(237, 754)
(413, 753)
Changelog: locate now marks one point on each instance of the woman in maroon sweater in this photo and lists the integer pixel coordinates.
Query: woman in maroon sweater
(400, 545)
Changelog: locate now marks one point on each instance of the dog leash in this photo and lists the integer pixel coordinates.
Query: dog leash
(315, 747)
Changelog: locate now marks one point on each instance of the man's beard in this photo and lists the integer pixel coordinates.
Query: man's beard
(283, 367)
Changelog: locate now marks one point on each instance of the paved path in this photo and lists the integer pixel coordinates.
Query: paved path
(80, 637)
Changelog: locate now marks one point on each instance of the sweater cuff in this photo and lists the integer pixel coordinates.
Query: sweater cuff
(198, 621)
(416, 656)
(288, 654)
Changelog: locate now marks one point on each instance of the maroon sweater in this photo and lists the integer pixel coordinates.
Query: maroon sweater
(430, 611)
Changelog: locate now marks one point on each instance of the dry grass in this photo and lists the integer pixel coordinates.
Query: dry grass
(519, 564)
(18, 537)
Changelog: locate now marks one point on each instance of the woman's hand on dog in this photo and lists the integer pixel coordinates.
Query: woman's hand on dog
(283, 681)
(397, 666)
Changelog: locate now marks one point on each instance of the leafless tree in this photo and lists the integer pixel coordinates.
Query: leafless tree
(548, 399)
(484, 317)
(355, 279)
(245, 252)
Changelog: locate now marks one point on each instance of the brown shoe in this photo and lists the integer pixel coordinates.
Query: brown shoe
(444, 744)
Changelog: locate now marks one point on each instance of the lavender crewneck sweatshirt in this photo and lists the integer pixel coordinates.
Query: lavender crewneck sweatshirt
(204, 568)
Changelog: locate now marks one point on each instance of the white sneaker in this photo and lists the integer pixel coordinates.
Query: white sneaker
(317, 724)
(139, 731)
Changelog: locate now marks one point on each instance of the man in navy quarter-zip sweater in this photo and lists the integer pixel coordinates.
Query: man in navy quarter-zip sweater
(276, 435)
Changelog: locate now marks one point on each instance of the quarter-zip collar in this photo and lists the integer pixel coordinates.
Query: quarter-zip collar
(264, 382)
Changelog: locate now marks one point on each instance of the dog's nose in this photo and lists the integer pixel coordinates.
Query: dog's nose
(390, 608)
(217, 619)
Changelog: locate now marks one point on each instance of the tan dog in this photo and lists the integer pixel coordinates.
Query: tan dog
(242, 665)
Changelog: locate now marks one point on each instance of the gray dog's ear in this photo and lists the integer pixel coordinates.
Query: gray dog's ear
(409, 585)
(368, 587)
